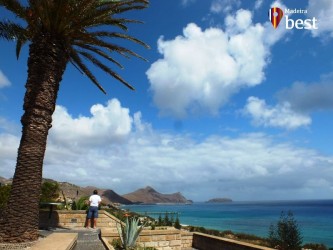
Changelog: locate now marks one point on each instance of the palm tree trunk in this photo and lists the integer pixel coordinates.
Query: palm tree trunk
(46, 64)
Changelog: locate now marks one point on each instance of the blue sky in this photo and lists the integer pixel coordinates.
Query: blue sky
(226, 106)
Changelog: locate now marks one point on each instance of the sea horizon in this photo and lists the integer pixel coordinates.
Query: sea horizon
(314, 217)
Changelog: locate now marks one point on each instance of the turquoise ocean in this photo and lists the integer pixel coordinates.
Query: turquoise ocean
(314, 217)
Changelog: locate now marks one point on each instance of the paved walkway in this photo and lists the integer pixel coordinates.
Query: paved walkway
(88, 239)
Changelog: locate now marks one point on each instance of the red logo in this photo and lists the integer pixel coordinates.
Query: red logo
(275, 15)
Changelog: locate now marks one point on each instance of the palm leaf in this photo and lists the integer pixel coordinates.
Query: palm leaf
(15, 7)
(105, 68)
(76, 25)
(76, 60)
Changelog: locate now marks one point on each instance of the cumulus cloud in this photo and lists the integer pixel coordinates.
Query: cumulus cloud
(107, 124)
(241, 167)
(322, 10)
(295, 104)
(309, 97)
(281, 115)
(201, 69)
(4, 82)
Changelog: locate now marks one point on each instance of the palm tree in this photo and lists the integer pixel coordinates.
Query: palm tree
(59, 32)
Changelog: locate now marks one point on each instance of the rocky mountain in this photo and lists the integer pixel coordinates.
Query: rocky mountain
(151, 196)
(143, 195)
(4, 181)
(74, 192)
(108, 196)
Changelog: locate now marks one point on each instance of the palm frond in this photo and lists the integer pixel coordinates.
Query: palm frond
(119, 35)
(15, 7)
(105, 68)
(88, 38)
(99, 52)
(77, 60)
(79, 26)
(11, 31)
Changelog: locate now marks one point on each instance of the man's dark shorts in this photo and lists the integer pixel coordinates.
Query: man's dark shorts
(92, 212)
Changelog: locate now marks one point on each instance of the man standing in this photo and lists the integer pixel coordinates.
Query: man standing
(94, 201)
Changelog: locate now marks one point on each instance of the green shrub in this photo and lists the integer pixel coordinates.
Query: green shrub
(285, 234)
(315, 246)
(4, 195)
(50, 191)
(177, 223)
(81, 204)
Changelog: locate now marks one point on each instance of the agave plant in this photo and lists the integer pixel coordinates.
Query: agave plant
(129, 233)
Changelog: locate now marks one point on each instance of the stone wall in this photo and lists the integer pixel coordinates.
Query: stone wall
(161, 239)
(75, 219)
(205, 242)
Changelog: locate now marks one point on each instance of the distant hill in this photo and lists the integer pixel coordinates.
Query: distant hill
(143, 195)
(74, 192)
(4, 181)
(219, 200)
(148, 195)
(108, 196)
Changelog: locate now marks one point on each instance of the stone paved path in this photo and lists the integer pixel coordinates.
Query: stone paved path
(88, 239)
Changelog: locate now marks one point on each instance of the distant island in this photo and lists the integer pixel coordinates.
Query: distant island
(219, 200)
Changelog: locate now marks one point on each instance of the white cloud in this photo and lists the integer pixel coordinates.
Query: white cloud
(281, 115)
(107, 124)
(244, 167)
(258, 4)
(321, 10)
(8, 153)
(202, 69)
(224, 6)
(309, 97)
(187, 2)
(295, 104)
(4, 82)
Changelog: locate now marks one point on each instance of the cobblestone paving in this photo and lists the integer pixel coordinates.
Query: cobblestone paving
(88, 239)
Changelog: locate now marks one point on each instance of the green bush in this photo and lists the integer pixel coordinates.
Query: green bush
(81, 204)
(177, 223)
(4, 195)
(315, 246)
(50, 191)
(285, 234)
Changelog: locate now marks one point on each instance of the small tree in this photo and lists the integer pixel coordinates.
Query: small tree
(50, 191)
(285, 235)
(81, 204)
(4, 195)
(160, 222)
(177, 223)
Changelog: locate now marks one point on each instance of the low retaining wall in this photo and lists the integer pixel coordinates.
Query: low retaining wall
(162, 239)
(75, 219)
(166, 239)
(209, 242)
